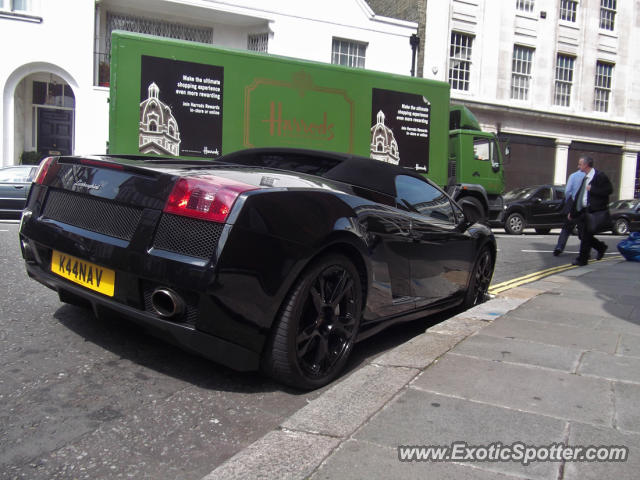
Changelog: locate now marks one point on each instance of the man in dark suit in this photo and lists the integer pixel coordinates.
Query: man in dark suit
(592, 197)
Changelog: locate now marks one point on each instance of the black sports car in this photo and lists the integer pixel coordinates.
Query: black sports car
(538, 206)
(625, 216)
(271, 258)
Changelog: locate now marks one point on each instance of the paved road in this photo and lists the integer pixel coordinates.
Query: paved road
(85, 398)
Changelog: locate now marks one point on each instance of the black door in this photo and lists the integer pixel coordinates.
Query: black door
(55, 129)
(546, 209)
(440, 255)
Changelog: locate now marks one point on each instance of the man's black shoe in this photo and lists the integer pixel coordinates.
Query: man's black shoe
(601, 253)
(556, 252)
(578, 262)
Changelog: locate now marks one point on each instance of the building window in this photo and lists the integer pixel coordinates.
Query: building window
(607, 14)
(604, 72)
(16, 5)
(564, 80)
(460, 60)
(258, 42)
(348, 53)
(568, 10)
(149, 26)
(525, 5)
(53, 94)
(521, 72)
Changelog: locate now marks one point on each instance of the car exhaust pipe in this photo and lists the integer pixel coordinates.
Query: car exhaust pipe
(167, 303)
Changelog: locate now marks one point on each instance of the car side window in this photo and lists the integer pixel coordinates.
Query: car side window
(13, 175)
(560, 194)
(419, 196)
(543, 194)
(486, 150)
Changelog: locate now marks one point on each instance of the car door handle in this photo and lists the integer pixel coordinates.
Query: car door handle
(18, 187)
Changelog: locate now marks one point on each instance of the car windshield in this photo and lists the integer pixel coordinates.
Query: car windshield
(520, 193)
(631, 204)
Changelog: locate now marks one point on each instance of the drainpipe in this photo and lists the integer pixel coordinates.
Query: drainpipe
(414, 40)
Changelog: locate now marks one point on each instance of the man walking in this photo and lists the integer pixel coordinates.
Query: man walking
(573, 184)
(592, 197)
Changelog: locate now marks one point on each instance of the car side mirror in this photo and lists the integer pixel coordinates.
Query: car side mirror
(537, 200)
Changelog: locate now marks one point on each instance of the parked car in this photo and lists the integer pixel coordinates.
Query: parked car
(15, 182)
(538, 206)
(271, 258)
(625, 216)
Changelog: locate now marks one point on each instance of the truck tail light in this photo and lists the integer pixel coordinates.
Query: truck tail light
(206, 198)
(43, 169)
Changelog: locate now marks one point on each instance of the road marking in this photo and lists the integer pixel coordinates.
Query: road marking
(564, 251)
(532, 277)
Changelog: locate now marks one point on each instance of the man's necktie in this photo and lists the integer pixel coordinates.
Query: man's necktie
(581, 193)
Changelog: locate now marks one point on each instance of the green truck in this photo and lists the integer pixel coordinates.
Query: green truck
(190, 100)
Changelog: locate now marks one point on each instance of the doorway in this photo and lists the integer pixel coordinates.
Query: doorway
(55, 131)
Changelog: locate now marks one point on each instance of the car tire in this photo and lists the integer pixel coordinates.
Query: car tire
(473, 210)
(543, 231)
(317, 325)
(621, 226)
(514, 224)
(478, 287)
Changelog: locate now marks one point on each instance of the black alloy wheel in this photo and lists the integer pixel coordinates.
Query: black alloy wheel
(514, 225)
(621, 226)
(318, 324)
(478, 289)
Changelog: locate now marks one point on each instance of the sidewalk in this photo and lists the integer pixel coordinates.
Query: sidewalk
(555, 361)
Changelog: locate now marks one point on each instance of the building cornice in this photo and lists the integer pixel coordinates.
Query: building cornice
(577, 120)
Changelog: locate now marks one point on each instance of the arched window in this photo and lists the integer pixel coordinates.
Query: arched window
(153, 127)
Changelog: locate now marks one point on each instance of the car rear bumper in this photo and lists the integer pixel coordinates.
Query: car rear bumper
(209, 346)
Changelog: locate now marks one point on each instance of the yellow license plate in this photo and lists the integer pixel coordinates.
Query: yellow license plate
(83, 273)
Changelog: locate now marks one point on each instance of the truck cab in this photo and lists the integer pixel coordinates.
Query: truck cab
(475, 173)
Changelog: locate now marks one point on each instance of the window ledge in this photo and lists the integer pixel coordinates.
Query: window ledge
(608, 33)
(23, 17)
(569, 24)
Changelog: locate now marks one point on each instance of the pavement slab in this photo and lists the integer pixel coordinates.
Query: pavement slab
(612, 367)
(586, 435)
(425, 418)
(629, 345)
(518, 326)
(355, 460)
(627, 407)
(530, 389)
(520, 351)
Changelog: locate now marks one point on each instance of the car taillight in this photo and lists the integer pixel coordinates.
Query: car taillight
(43, 169)
(205, 198)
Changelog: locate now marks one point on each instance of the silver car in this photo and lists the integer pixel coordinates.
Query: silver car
(15, 182)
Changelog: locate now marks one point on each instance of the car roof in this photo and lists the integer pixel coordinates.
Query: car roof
(347, 168)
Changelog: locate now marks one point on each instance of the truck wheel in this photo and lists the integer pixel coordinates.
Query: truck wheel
(514, 225)
(621, 227)
(317, 325)
(473, 210)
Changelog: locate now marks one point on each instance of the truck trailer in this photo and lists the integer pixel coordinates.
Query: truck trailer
(197, 101)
